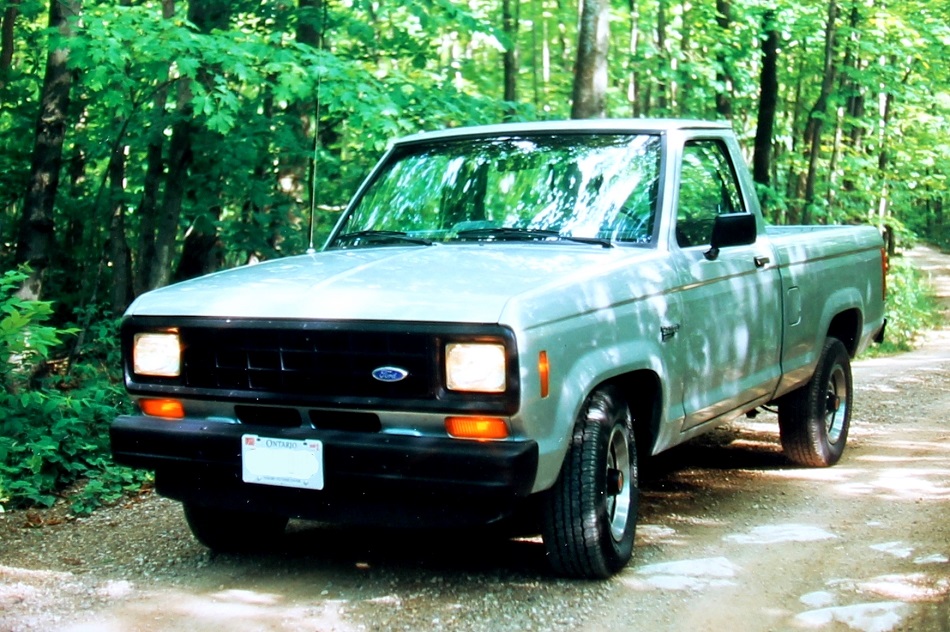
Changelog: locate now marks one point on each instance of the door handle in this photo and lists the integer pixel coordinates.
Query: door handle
(761, 262)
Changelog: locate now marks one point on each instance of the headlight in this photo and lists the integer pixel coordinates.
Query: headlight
(156, 354)
(475, 367)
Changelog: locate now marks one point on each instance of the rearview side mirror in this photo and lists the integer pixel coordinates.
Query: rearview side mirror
(731, 229)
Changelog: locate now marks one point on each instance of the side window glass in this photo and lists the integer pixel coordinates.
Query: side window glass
(707, 188)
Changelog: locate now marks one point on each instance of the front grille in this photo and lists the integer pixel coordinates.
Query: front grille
(323, 363)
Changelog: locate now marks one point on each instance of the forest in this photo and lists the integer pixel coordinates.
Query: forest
(144, 142)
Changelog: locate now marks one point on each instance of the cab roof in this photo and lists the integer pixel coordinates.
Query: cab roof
(627, 126)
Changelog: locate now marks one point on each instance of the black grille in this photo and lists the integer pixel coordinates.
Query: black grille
(324, 363)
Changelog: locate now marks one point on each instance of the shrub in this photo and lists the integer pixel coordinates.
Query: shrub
(54, 428)
(911, 307)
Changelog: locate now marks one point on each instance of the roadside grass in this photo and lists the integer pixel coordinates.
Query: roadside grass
(911, 308)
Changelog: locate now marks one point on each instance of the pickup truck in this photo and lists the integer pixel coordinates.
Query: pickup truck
(502, 322)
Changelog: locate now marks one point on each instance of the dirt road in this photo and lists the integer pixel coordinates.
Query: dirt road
(730, 538)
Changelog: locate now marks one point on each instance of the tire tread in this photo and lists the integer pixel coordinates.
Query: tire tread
(573, 533)
(801, 427)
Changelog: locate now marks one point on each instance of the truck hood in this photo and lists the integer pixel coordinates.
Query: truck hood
(469, 283)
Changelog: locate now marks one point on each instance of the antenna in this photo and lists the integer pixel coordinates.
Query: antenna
(316, 134)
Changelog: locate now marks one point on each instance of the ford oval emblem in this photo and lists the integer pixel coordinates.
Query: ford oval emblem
(390, 374)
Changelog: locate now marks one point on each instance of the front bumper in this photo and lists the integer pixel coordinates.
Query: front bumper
(370, 478)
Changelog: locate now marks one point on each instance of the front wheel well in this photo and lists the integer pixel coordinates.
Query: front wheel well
(644, 395)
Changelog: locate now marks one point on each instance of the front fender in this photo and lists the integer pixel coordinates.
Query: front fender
(581, 358)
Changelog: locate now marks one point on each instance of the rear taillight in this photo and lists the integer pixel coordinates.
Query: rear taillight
(884, 267)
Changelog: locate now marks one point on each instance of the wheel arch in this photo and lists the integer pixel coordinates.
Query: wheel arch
(643, 392)
(640, 387)
(846, 327)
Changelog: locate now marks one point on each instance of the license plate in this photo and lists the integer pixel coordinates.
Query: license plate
(282, 462)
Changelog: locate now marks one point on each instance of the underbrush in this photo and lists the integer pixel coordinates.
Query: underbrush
(55, 416)
(911, 308)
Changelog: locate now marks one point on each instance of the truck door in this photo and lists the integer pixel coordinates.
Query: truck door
(732, 318)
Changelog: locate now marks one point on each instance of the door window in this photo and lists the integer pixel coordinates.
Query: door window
(707, 188)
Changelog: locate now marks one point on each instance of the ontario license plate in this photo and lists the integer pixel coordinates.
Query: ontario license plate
(282, 462)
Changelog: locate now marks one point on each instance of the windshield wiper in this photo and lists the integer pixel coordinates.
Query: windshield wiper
(512, 233)
(381, 236)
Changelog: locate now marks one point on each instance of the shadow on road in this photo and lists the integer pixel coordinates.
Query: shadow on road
(698, 473)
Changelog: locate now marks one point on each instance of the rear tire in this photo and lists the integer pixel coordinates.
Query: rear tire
(228, 531)
(814, 419)
(589, 517)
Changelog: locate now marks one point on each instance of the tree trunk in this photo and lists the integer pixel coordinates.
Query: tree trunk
(563, 48)
(6, 39)
(310, 22)
(145, 260)
(681, 86)
(590, 71)
(662, 72)
(295, 175)
(633, 86)
(206, 15)
(535, 81)
(853, 93)
(179, 161)
(201, 252)
(768, 102)
(883, 160)
(509, 21)
(723, 74)
(119, 253)
(818, 112)
(35, 243)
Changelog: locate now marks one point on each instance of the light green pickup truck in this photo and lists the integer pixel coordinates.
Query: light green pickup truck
(501, 322)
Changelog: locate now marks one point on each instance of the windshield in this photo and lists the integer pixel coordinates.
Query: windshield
(587, 188)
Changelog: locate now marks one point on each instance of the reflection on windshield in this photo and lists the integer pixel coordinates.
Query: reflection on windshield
(599, 187)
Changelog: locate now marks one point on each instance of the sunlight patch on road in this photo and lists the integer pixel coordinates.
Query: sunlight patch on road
(655, 534)
(11, 572)
(911, 449)
(837, 474)
(910, 458)
(897, 549)
(237, 610)
(775, 534)
(698, 574)
(250, 597)
(818, 599)
(866, 617)
(903, 484)
(907, 587)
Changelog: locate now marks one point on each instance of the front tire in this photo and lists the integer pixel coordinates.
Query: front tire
(227, 531)
(589, 517)
(814, 419)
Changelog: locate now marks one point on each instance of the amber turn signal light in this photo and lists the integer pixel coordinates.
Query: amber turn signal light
(481, 428)
(544, 373)
(168, 408)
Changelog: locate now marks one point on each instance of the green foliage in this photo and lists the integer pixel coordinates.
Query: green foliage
(24, 338)
(911, 307)
(54, 432)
